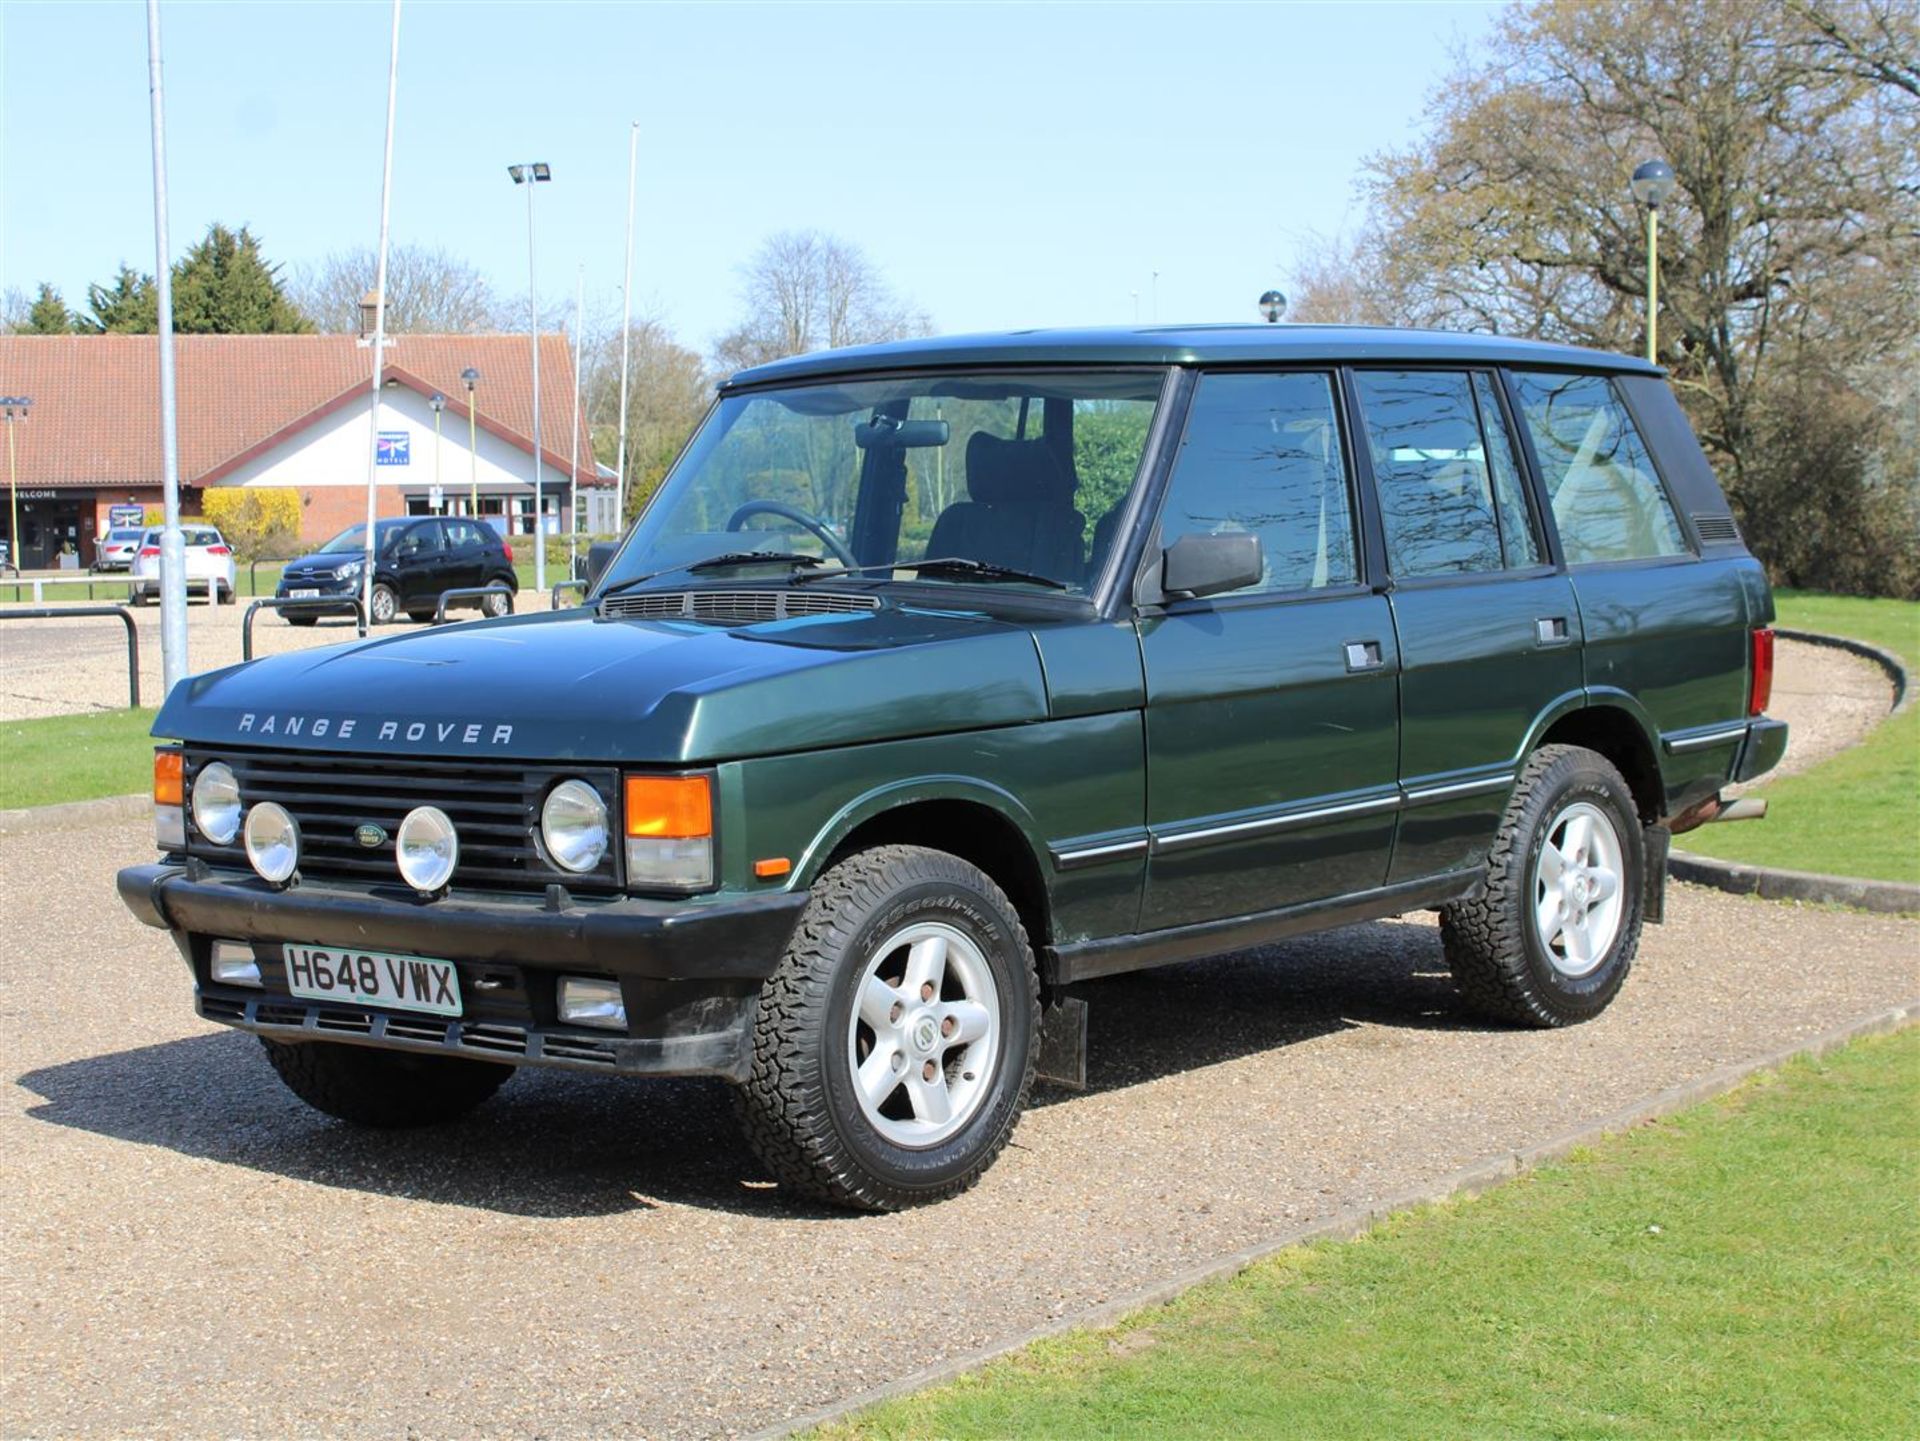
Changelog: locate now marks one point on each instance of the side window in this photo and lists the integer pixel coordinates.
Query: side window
(1519, 541)
(1607, 500)
(1262, 454)
(422, 540)
(1430, 464)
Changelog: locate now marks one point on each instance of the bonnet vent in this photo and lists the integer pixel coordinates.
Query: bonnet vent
(741, 606)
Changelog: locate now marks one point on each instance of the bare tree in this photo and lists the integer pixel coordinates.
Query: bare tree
(670, 391)
(429, 291)
(807, 291)
(1789, 251)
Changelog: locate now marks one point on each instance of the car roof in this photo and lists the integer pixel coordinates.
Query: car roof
(1190, 345)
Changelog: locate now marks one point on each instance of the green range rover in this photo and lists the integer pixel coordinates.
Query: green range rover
(941, 676)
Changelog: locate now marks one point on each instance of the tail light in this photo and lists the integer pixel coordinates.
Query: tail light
(506, 549)
(147, 550)
(1762, 689)
(218, 550)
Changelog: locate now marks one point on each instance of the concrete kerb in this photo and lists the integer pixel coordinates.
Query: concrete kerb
(1350, 1224)
(1773, 884)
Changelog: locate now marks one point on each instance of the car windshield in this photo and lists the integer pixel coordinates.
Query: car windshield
(189, 535)
(354, 537)
(1023, 474)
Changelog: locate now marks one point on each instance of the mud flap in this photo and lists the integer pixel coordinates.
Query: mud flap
(1653, 906)
(1062, 1058)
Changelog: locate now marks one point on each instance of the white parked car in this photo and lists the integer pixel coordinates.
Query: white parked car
(210, 566)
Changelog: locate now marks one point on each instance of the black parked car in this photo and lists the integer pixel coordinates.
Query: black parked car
(418, 558)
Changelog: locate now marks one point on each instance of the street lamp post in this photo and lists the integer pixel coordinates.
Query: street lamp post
(531, 175)
(1273, 305)
(16, 408)
(438, 403)
(1652, 183)
(471, 376)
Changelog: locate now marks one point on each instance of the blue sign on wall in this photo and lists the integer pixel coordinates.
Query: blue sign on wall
(392, 447)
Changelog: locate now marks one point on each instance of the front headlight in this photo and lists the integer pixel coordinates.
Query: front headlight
(351, 569)
(216, 803)
(573, 823)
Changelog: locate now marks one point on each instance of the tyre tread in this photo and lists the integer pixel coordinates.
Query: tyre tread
(782, 1106)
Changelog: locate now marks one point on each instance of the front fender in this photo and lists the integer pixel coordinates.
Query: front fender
(896, 794)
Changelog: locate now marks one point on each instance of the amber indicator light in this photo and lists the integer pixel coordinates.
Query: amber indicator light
(772, 867)
(669, 807)
(168, 787)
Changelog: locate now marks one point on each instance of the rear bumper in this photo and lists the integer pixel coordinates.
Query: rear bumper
(1761, 751)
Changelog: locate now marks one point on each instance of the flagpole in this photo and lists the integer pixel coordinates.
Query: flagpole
(626, 340)
(573, 491)
(173, 550)
(379, 326)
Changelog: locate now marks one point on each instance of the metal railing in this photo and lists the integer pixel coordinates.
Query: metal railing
(580, 585)
(64, 612)
(342, 606)
(470, 592)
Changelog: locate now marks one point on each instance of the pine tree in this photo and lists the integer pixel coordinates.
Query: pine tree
(129, 307)
(49, 314)
(224, 286)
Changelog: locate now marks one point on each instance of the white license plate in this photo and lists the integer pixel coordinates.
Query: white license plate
(373, 978)
(307, 594)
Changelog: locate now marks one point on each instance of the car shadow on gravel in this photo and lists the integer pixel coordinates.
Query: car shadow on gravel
(556, 1145)
(1148, 1024)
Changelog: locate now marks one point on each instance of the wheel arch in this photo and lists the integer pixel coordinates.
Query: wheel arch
(980, 823)
(1615, 725)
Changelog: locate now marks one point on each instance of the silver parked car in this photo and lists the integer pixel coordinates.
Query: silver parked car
(117, 548)
(210, 565)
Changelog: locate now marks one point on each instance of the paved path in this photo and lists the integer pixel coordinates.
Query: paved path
(184, 1249)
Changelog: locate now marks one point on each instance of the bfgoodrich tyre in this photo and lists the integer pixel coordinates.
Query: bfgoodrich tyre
(894, 1046)
(1553, 937)
(387, 1089)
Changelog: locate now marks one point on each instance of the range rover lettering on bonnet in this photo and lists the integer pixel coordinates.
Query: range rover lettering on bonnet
(342, 728)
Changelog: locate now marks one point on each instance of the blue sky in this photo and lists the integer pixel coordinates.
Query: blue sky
(1005, 165)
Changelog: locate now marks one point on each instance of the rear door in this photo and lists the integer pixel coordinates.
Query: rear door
(1271, 719)
(466, 563)
(1489, 632)
(1664, 627)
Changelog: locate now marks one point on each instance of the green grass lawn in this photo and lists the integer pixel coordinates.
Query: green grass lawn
(1859, 813)
(75, 757)
(1687, 1279)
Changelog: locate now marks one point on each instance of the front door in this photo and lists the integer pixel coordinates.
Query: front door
(1489, 632)
(1271, 711)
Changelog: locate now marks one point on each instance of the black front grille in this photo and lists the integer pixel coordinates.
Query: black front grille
(495, 808)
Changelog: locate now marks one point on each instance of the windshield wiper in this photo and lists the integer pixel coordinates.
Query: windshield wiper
(728, 561)
(942, 565)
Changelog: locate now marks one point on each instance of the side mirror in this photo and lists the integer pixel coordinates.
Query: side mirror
(1197, 565)
(598, 554)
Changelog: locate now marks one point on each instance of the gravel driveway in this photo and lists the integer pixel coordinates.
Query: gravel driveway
(185, 1249)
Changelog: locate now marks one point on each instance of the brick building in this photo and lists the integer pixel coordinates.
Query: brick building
(288, 411)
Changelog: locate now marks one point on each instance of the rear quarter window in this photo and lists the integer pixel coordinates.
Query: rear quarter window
(1605, 495)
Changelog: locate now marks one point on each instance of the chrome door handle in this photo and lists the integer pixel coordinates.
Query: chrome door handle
(1552, 630)
(1364, 655)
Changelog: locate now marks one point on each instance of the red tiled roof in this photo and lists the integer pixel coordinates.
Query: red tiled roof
(96, 398)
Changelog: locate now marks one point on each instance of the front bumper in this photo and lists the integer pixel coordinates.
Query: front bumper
(689, 972)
